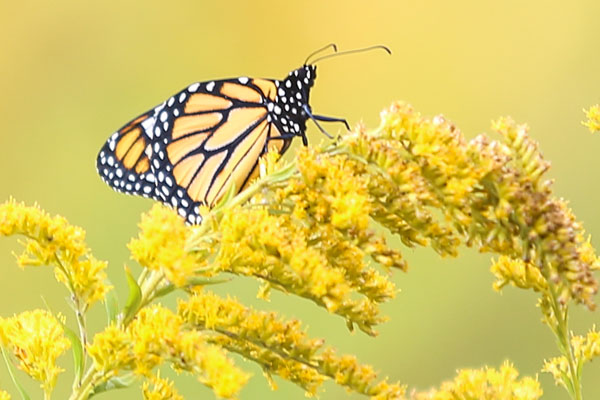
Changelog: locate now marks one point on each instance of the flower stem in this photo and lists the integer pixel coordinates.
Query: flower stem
(562, 332)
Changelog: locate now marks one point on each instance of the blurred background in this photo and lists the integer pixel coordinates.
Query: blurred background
(72, 72)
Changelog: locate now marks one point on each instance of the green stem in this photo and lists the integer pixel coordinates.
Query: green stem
(91, 379)
(79, 316)
(83, 390)
(153, 280)
(562, 333)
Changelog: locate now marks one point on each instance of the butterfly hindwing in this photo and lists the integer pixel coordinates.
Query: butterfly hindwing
(124, 162)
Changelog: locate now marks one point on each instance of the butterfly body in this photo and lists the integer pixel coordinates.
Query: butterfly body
(190, 149)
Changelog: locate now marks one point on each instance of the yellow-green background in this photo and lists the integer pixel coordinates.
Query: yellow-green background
(71, 72)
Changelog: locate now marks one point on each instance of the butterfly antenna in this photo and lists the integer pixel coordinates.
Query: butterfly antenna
(314, 53)
(343, 53)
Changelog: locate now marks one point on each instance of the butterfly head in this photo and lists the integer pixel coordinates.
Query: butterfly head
(293, 100)
(299, 82)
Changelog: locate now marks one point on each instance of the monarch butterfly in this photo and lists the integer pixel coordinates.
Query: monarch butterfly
(188, 150)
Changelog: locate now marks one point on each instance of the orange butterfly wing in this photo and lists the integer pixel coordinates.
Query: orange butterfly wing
(191, 149)
(210, 136)
(124, 160)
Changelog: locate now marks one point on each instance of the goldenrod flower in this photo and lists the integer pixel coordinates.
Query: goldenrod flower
(161, 246)
(278, 250)
(486, 384)
(111, 351)
(585, 349)
(281, 347)
(316, 228)
(4, 395)
(518, 273)
(53, 241)
(36, 339)
(593, 118)
(155, 336)
(162, 389)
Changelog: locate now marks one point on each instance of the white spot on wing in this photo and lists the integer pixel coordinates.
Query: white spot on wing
(148, 124)
(210, 86)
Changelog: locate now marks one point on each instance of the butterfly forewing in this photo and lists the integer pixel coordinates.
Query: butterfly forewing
(208, 137)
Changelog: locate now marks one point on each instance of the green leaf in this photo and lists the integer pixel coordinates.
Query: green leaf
(111, 303)
(77, 348)
(134, 299)
(194, 281)
(11, 372)
(118, 382)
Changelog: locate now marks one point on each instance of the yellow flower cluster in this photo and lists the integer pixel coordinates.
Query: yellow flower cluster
(593, 118)
(4, 395)
(157, 335)
(518, 273)
(486, 384)
(413, 166)
(162, 389)
(315, 228)
(542, 229)
(161, 246)
(286, 254)
(491, 194)
(585, 349)
(53, 241)
(280, 347)
(36, 339)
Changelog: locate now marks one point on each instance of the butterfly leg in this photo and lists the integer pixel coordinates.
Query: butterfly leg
(331, 119)
(316, 118)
